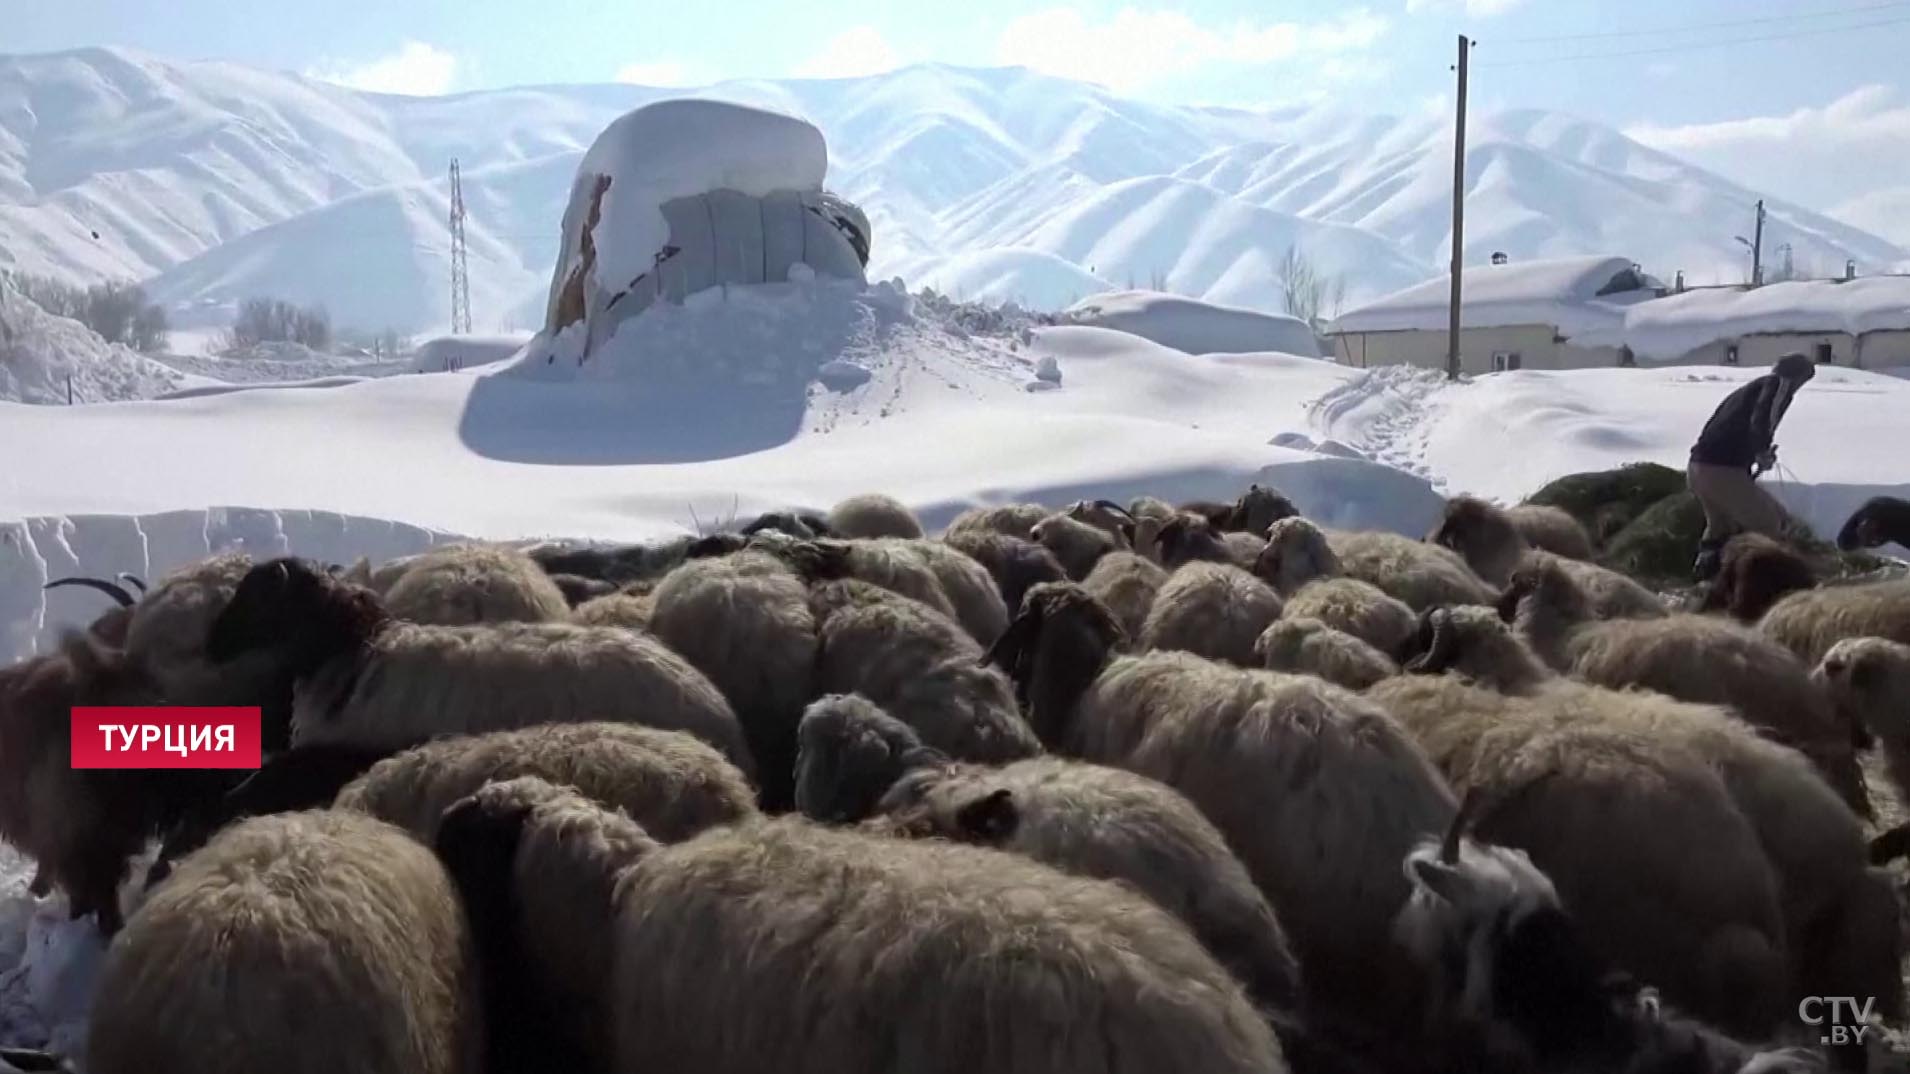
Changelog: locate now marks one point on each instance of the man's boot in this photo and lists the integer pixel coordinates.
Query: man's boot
(1710, 554)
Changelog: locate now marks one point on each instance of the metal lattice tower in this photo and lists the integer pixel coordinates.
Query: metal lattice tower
(460, 276)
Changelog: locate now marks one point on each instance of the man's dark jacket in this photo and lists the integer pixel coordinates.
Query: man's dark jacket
(1744, 424)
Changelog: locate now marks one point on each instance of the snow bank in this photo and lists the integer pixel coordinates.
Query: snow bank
(666, 150)
(1195, 327)
(1676, 325)
(1563, 292)
(446, 353)
(1032, 278)
(40, 353)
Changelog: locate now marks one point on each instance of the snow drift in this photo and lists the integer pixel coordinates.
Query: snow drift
(1195, 327)
(42, 355)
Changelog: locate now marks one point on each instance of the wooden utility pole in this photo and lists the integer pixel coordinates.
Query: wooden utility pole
(1458, 212)
(1757, 247)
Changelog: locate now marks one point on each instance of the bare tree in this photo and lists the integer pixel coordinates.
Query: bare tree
(272, 320)
(1305, 290)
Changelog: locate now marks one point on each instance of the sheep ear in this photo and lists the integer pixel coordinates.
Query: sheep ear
(1447, 882)
(991, 817)
(359, 573)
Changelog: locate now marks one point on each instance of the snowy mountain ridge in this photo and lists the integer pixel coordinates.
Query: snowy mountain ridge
(212, 181)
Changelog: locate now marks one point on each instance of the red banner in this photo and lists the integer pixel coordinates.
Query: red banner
(166, 737)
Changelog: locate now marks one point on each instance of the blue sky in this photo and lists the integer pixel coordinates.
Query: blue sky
(1827, 76)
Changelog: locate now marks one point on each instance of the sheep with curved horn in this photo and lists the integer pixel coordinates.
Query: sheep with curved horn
(118, 593)
(132, 579)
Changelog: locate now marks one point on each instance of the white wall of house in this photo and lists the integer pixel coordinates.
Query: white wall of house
(1872, 350)
(1536, 347)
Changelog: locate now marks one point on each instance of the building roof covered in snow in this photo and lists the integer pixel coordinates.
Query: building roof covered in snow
(1579, 296)
(1676, 325)
(684, 194)
(1193, 326)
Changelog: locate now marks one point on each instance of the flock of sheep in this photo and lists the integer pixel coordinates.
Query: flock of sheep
(1202, 788)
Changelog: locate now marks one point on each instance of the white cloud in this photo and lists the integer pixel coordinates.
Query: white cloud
(1821, 156)
(1134, 48)
(1479, 9)
(857, 51)
(417, 69)
(657, 73)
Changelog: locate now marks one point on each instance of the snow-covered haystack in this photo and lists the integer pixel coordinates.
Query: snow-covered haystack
(683, 195)
(41, 354)
(1193, 326)
(447, 354)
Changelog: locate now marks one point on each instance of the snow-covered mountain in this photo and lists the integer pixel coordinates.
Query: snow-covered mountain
(213, 181)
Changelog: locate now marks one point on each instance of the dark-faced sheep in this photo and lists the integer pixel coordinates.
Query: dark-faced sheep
(802, 525)
(1668, 875)
(1080, 818)
(616, 564)
(1880, 521)
(1698, 658)
(1808, 623)
(1187, 538)
(1755, 572)
(309, 943)
(1127, 583)
(1494, 543)
(1299, 564)
(1518, 989)
(856, 954)
(1215, 610)
(459, 584)
(744, 621)
(367, 679)
(924, 670)
(872, 515)
(1318, 791)
(1016, 564)
(578, 590)
(1839, 927)
(1868, 679)
(1307, 646)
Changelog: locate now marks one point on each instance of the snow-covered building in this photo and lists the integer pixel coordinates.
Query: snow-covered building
(1863, 323)
(686, 194)
(1562, 313)
(1193, 326)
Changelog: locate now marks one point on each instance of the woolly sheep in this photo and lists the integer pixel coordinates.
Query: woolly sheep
(1838, 925)
(1258, 509)
(1754, 572)
(1077, 545)
(1307, 646)
(744, 622)
(972, 595)
(1317, 790)
(616, 564)
(1009, 520)
(365, 678)
(671, 783)
(1150, 507)
(629, 608)
(1868, 679)
(578, 590)
(1108, 517)
(921, 668)
(1697, 658)
(1808, 623)
(1641, 837)
(1420, 574)
(804, 525)
(1493, 542)
(1016, 564)
(1299, 564)
(873, 515)
(1127, 584)
(968, 959)
(459, 584)
(1080, 818)
(308, 943)
(1518, 988)
(1188, 538)
(892, 564)
(1881, 520)
(1214, 610)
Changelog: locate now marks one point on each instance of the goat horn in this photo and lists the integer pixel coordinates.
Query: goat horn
(1468, 808)
(118, 593)
(132, 579)
(1116, 508)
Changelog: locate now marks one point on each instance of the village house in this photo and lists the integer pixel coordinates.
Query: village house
(1862, 323)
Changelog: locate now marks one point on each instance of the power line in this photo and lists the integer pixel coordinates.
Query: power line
(1721, 25)
(1700, 45)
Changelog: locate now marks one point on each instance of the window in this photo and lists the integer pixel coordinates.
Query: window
(1731, 354)
(1504, 360)
(1825, 354)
